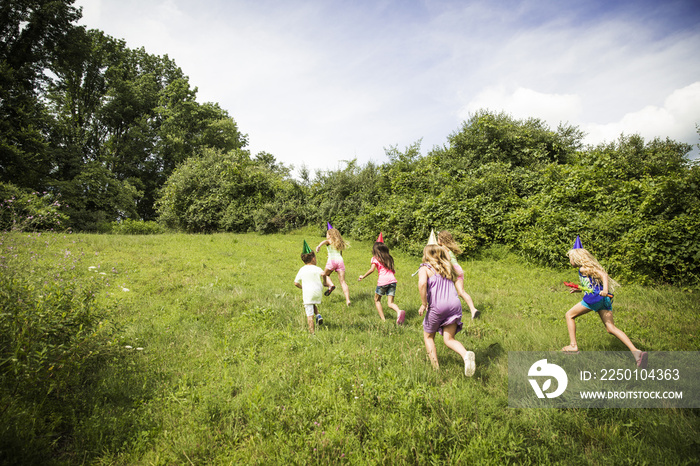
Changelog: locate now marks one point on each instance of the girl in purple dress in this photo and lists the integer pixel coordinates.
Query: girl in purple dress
(442, 306)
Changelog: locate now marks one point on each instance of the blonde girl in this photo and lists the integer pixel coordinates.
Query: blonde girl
(440, 302)
(335, 245)
(594, 277)
(445, 239)
(383, 263)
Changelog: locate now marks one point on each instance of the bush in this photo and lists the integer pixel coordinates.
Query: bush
(51, 336)
(229, 192)
(137, 227)
(29, 211)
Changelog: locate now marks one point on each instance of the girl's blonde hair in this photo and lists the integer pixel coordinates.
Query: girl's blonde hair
(589, 266)
(445, 239)
(439, 260)
(336, 240)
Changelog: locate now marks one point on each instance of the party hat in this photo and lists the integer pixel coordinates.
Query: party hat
(306, 249)
(328, 224)
(577, 243)
(431, 238)
(381, 238)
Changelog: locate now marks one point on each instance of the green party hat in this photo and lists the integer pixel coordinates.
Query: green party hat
(306, 249)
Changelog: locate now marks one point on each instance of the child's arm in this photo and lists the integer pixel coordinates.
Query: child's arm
(325, 241)
(369, 272)
(423, 289)
(298, 285)
(604, 291)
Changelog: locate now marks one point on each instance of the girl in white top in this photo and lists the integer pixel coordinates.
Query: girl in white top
(335, 244)
(445, 239)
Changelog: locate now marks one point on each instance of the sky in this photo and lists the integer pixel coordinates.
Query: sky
(317, 83)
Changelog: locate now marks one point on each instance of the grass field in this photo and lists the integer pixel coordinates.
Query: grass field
(213, 364)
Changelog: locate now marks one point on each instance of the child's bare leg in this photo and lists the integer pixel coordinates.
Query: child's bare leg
(448, 334)
(378, 304)
(392, 305)
(310, 322)
(607, 318)
(327, 280)
(459, 284)
(429, 339)
(344, 286)
(578, 310)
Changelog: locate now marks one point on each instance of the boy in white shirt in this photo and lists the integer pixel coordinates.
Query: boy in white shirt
(309, 280)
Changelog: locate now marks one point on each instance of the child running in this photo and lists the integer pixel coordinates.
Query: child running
(310, 279)
(335, 244)
(386, 282)
(440, 302)
(445, 239)
(594, 277)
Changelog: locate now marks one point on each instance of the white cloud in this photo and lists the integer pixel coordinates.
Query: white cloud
(525, 103)
(676, 119)
(320, 81)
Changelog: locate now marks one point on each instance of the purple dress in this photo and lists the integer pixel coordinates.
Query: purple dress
(444, 306)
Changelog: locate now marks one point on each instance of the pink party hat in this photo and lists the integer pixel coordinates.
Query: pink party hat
(381, 238)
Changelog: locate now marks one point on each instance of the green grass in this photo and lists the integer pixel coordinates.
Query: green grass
(227, 373)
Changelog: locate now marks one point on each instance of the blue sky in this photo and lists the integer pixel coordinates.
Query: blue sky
(318, 82)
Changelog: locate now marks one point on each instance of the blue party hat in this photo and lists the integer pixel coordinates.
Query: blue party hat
(328, 224)
(577, 243)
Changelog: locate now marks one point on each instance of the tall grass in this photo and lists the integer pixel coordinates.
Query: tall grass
(214, 365)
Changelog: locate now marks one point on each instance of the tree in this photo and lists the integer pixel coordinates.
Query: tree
(228, 191)
(134, 115)
(33, 33)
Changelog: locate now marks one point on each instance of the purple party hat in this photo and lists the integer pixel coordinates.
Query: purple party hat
(577, 243)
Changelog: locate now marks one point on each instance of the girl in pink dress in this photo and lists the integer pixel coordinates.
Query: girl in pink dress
(383, 263)
(440, 302)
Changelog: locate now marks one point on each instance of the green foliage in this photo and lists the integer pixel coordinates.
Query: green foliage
(517, 183)
(231, 192)
(22, 211)
(487, 137)
(32, 35)
(129, 226)
(340, 196)
(51, 336)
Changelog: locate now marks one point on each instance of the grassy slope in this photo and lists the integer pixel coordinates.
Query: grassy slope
(229, 374)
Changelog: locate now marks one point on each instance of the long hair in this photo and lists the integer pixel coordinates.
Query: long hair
(445, 239)
(336, 240)
(381, 252)
(439, 260)
(589, 266)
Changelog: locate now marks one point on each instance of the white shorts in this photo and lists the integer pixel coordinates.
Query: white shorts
(309, 308)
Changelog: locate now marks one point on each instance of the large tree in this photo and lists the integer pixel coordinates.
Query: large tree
(130, 116)
(33, 34)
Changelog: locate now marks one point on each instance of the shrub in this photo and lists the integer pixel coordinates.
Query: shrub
(29, 211)
(130, 226)
(51, 336)
(226, 192)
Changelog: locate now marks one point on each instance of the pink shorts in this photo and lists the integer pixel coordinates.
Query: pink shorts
(335, 265)
(460, 272)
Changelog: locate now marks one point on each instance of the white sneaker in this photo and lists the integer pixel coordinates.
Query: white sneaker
(469, 364)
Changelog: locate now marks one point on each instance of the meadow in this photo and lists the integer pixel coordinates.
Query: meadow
(208, 361)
